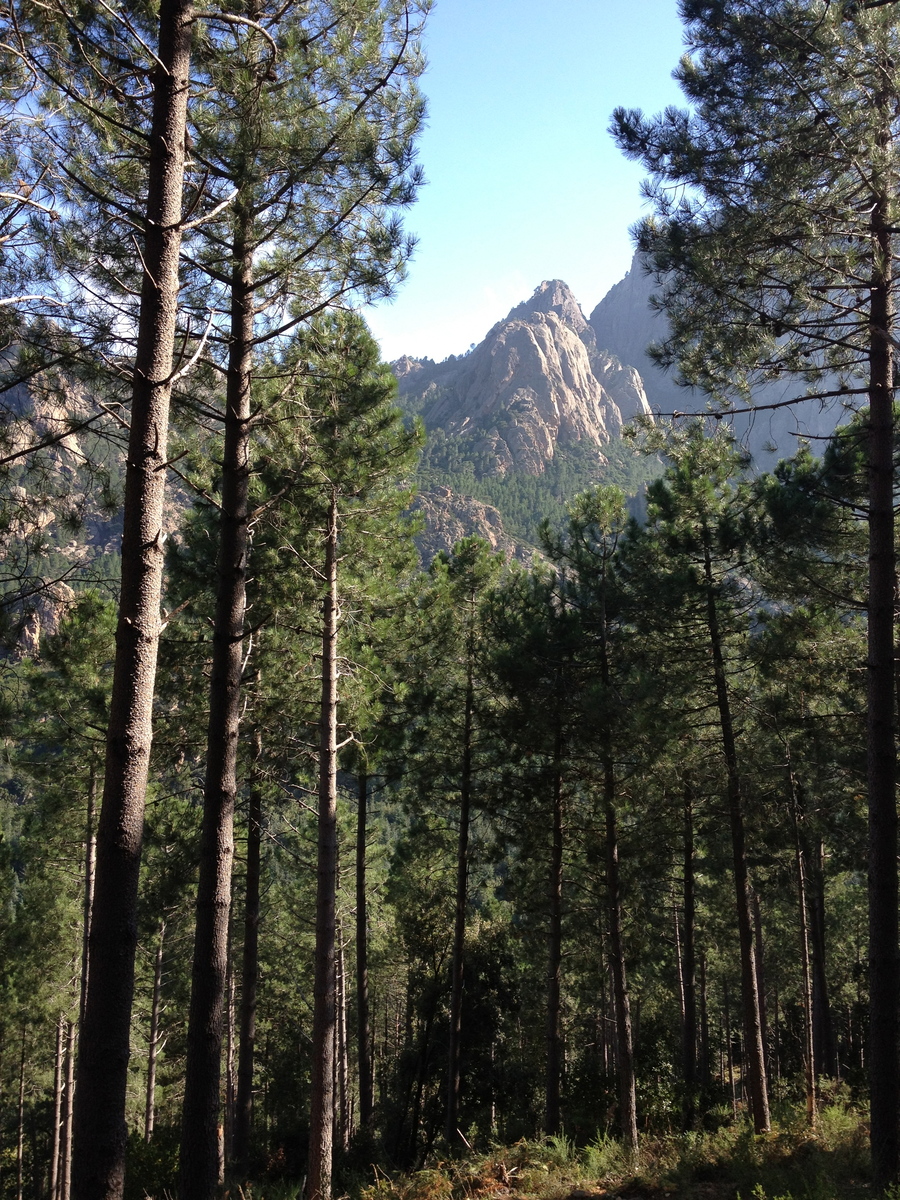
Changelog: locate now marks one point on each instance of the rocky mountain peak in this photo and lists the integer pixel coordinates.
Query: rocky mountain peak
(552, 296)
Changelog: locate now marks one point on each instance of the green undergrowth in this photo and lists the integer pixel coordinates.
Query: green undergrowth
(731, 1163)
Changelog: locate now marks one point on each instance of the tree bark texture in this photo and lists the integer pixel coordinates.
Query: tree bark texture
(363, 1032)
(884, 954)
(318, 1182)
(100, 1133)
(753, 1036)
(200, 1155)
(243, 1115)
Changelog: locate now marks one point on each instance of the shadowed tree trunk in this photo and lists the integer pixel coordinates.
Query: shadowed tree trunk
(554, 958)
(100, 1133)
(65, 1181)
(153, 1053)
(322, 1089)
(57, 1111)
(884, 953)
(624, 1041)
(750, 1000)
(243, 1117)
(451, 1132)
(200, 1154)
(823, 1026)
(689, 970)
(809, 1058)
(90, 859)
(363, 1033)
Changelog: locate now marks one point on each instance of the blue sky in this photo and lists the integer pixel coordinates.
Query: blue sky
(524, 182)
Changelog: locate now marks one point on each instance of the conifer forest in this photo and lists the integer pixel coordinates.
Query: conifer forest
(330, 871)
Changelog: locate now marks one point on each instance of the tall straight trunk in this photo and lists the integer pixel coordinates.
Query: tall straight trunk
(243, 1116)
(318, 1183)
(624, 1037)
(750, 999)
(57, 1111)
(199, 1172)
(624, 1041)
(363, 1033)
(729, 1049)
(554, 948)
(704, 1028)
(65, 1180)
(90, 863)
(153, 1049)
(342, 1065)
(100, 1132)
(884, 955)
(20, 1128)
(451, 1125)
(809, 1063)
(823, 1026)
(229, 1062)
(759, 961)
(689, 961)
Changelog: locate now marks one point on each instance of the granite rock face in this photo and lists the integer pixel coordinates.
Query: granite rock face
(626, 323)
(538, 380)
(450, 516)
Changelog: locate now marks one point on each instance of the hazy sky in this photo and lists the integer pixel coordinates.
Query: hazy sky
(524, 182)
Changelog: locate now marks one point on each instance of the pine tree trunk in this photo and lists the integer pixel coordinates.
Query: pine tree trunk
(20, 1129)
(153, 1049)
(200, 1154)
(705, 1065)
(809, 1064)
(554, 957)
(341, 1064)
(729, 1050)
(689, 971)
(823, 1026)
(318, 1182)
(753, 1033)
(228, 1150)
(243, 1117)
(884, 956)
(65, 1190)
(759, 959)
(57, 1111)
(451, 1125)
(624, 1041)
(363, 1033)
(90, 861)
(100, 1133)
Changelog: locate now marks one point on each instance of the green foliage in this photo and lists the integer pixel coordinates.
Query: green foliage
(523, 500)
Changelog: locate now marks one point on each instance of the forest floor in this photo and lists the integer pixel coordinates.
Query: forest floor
(791, 1163)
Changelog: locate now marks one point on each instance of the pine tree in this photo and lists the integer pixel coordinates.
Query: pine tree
(777, 257)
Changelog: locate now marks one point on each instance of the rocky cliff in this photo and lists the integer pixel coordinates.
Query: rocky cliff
(538, 381)
(538, 389)
(625, 322)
